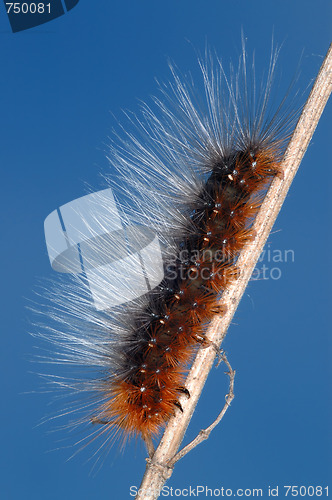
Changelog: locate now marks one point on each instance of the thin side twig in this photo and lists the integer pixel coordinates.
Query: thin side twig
(150, 447)
(205, 433)
(158, 469)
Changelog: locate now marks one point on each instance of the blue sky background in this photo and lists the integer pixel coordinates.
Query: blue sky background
(59, 84)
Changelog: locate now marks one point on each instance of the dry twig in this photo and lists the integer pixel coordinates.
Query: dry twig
(159, 467)
(205, 433)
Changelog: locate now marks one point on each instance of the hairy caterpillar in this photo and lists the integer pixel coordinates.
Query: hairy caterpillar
(196, 177)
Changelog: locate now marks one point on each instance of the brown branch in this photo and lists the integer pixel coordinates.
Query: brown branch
(158, 468)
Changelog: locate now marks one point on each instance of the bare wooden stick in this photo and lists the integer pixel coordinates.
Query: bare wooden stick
(159, 468)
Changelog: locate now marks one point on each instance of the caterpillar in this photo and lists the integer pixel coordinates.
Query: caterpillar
(193, 169)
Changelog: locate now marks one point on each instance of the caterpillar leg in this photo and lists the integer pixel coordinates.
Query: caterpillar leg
(205, 343)
(185, 391)
(178, 405)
